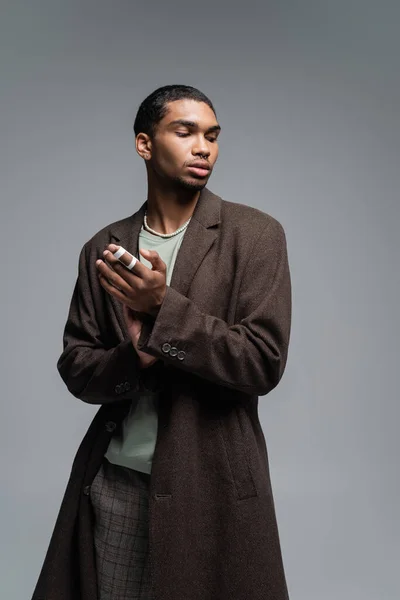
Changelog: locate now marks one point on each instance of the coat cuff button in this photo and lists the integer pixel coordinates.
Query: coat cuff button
(110, 425)
(166, 348)
(181, 354)
(173, 351)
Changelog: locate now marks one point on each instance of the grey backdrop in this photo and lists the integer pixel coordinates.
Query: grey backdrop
(308, 97)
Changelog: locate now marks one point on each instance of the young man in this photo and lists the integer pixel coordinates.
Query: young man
(170, 497)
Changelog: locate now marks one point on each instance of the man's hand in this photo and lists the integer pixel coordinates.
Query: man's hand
(141, 289)
(134, 326)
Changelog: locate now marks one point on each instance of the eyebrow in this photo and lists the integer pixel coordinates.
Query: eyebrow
(194, 125)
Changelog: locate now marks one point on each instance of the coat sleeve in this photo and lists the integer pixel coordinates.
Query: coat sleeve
(249, 356)
(92, 371)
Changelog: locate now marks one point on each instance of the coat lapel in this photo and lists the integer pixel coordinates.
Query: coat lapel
(198, 238)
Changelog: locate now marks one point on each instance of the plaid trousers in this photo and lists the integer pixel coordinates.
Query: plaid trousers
(119, 497)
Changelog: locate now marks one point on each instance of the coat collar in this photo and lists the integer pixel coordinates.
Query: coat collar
(198, 238)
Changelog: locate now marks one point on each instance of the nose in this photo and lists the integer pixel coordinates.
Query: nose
(201, 148)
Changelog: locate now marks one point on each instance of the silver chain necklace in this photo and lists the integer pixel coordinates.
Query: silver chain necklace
(164, 235)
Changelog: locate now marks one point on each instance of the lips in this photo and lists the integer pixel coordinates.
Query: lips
(200, 165)
(200, 168)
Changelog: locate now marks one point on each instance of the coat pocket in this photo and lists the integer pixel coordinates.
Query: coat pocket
(236, 447)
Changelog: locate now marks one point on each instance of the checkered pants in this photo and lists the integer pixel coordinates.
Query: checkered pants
(120, 503)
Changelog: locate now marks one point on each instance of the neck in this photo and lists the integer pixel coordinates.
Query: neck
(167, 210)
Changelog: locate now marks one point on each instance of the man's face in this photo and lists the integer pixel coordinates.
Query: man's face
(185, 148)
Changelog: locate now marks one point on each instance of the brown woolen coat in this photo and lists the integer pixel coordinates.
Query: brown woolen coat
(212, 526)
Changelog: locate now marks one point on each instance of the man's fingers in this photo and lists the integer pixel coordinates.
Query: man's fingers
(155, 259)
(144, 288)
(125, 258)
(130, 277)
(113, 278)
(120, 255)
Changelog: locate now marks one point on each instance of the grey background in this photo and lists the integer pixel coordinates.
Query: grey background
(308, 97)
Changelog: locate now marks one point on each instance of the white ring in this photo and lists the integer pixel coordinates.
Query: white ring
(119, 252)
(132, 263)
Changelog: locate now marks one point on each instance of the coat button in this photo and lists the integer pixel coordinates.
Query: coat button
(118, 389)
(110, 425)
(173, 351)
(127, 386)
(181, 354)
(86, 490)
(166, 348)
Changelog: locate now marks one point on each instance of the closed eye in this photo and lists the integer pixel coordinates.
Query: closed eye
(182, 135)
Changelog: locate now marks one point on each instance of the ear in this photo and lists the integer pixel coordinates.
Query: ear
(143, 145)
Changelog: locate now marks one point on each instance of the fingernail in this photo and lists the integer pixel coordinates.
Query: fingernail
(106, 252)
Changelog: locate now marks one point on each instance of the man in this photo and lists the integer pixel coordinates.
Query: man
(170, 497)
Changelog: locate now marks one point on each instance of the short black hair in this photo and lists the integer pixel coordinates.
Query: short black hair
(154, 107)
